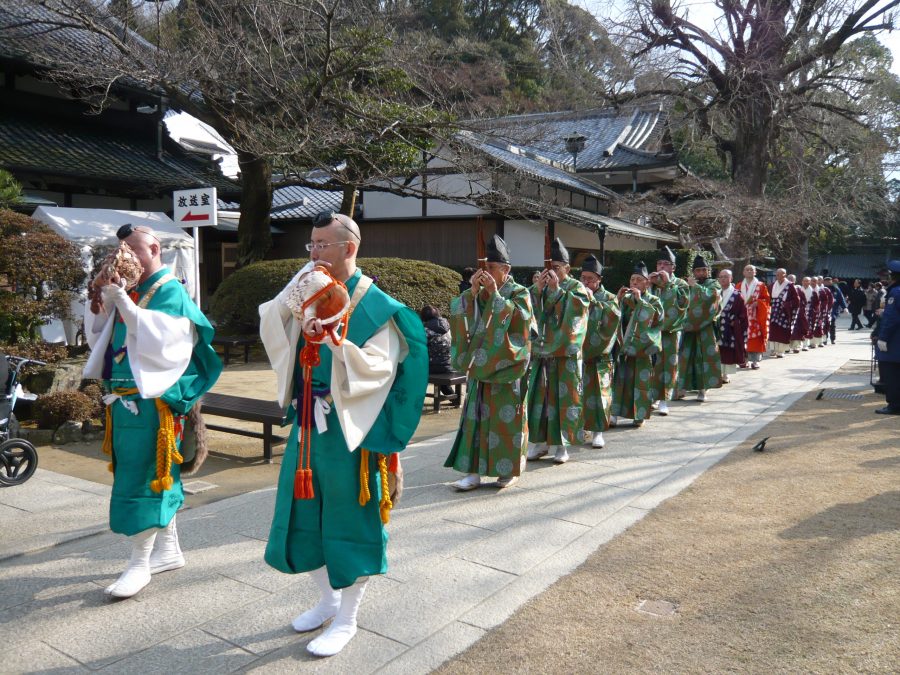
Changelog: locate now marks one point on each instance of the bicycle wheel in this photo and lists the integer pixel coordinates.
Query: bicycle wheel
(18, 461)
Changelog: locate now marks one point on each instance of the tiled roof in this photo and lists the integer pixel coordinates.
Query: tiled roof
(592, 222)
(853, 265)
(88, 151)
(42, 37)
(614, 138)
(296, 203)
(535, 166)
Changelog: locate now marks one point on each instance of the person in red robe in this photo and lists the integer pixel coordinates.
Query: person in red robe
(733, 327)
(799, 323)
(757, 301)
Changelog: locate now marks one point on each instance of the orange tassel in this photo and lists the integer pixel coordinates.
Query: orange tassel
(303, 485)
(393, 462)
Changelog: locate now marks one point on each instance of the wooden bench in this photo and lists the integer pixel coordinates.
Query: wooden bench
(229, 341)
(438, 380)
(268, 413)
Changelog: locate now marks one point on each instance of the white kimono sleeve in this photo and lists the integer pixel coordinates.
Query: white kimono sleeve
(159, 350)
(361, 378)
(159, 347)
(280, 333)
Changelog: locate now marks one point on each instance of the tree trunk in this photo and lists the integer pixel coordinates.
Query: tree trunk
(254, 236)
(348, 202)
(752, 136)
(798, 262)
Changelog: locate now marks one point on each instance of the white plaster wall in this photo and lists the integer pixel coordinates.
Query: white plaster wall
(526, 242)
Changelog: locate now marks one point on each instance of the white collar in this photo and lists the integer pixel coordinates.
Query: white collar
(748, 289)
(726, 294)
(778, 286)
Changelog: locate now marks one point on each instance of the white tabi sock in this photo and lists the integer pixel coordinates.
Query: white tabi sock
(166, 553)
(137, 574)
(327, 607)
(343, 628)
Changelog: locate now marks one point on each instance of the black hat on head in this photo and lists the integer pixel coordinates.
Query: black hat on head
(558, 252)
(497, 251)
(699, 262)
(125, 231)
(665, 253)
(591, 264)
(641, 269)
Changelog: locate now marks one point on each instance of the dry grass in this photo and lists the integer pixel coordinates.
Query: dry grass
(782, 561)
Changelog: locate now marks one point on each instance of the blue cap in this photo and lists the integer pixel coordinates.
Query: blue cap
(894, 265)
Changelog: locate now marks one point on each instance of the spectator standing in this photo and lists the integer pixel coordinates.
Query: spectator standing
(856, 303)
(466, 282)
(887, 345)
(869, 311)
(437, 333)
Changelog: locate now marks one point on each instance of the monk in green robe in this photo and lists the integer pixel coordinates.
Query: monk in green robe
(365, 399)
(639, 346)
(699, 362)
(152, 348)
(561, 303)
(603, 326)
(490, 326)
(674, 295)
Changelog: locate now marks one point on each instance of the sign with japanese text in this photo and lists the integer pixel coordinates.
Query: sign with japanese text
(195, 208)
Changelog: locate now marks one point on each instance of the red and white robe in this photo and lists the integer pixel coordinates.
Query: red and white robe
(757, 301)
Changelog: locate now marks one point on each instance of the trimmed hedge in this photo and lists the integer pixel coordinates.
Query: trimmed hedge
(234, 305)
(619, 264)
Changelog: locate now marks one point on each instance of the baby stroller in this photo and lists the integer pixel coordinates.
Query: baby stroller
(18, 458)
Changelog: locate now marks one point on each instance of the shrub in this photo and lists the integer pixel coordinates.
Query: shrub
(234, 305)
(54, 409)
(39, 273)
(94, 391)
(619, 264)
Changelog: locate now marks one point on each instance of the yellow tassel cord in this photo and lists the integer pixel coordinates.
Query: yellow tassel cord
(386, 504)
(364, 494)
(166, 449)
(107, 446)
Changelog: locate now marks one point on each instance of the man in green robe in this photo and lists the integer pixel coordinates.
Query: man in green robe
(490, 326)
(366, 400)
(561, 304)
(674, 295)
(152, 348)
(699, 362)
(634, 390)
(603, 325)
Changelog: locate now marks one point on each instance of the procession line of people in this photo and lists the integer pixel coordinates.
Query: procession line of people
(549, 367)
(558, 364)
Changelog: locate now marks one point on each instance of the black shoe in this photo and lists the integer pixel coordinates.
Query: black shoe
(888, 410)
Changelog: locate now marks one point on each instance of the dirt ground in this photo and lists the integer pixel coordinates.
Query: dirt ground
(780, 561)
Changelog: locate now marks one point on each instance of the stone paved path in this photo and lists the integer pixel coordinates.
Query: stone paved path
(460, 564)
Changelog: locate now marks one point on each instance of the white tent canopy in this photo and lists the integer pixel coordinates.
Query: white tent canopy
(89, 228)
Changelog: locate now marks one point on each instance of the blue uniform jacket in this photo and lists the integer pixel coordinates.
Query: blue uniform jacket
(889, 330)
(840, 302)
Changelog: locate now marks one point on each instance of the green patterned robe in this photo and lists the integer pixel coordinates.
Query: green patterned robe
(675, 297)
(634, 389)
(603, 325)
(555, 415)
(699, 363)
(491, 342)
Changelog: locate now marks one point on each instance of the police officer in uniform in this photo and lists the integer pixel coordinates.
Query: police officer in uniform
(887, 347)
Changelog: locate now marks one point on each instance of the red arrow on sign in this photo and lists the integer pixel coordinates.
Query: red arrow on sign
(192, 216)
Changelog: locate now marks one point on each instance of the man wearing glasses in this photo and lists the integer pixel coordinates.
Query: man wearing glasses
(153, 351)
(368, 395)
